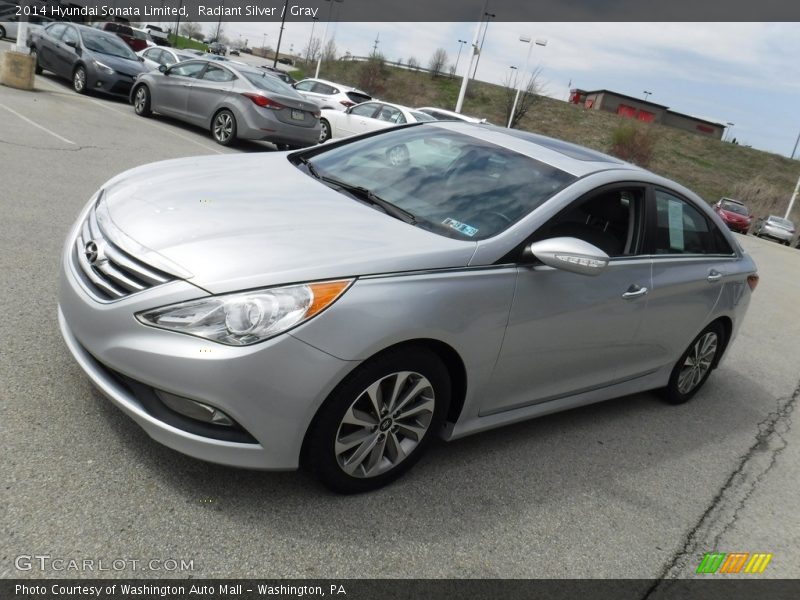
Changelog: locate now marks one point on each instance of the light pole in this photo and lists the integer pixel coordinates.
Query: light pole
(325, 36)
(525, 39)
(465, 80)
(311, 38)
(280, 35)
(728, 131)
(646, 94)
(264, 46)
(460, 47)
(797, 141)
(513, 79)
(794, 197)
(488, 16)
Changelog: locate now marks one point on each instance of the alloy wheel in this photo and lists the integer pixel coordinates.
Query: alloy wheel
(79, 79)
(324, 131)
(384, 424)
(697, 363)
(140, 100)
(223, 127)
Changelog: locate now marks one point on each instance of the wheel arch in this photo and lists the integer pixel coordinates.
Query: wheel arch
(447, 354)
(727, 328)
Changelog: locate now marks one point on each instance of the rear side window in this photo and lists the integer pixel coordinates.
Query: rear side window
(683, 229)
(358, 97)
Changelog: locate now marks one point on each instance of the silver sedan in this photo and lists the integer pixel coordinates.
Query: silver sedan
(336, 309)
(232, 101)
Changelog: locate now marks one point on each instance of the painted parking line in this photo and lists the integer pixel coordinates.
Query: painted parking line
(127, 114)
(35, 124)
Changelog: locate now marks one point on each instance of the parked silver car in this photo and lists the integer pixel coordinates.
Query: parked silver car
(776, 228)
(334, 309)
(233, 101)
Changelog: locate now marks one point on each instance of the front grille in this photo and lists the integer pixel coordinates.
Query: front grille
(108, 271)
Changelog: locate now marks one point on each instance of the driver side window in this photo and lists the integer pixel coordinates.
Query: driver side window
(192, 69)
(610, 219)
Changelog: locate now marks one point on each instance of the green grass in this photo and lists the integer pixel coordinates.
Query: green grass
(707, 166)
(179, 41)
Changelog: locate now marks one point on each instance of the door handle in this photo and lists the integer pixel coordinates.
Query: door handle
(714, 275)
(634, 292)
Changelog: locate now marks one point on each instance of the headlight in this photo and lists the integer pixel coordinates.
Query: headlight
(103, 68)
(248, 317)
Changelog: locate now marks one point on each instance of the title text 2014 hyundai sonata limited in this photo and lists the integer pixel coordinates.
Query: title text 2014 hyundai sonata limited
(339, 306)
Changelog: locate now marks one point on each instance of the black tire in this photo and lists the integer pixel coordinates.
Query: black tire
(223, 127)
(141, 101)
(418, 369)
(37, 68)
(2, 32)
(79, 81)
(325, 131)
(676, 391)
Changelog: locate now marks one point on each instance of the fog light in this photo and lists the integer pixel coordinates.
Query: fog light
(194, 409)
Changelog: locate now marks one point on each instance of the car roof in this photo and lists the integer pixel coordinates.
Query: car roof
(572, 158)
(345, 88)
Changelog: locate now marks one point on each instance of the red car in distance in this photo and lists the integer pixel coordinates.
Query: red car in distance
(734, 214)
(125, 32)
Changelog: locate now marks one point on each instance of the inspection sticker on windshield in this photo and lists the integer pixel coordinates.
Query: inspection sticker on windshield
(460, 227)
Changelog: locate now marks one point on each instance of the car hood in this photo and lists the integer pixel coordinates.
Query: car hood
(733, 216)
(121, 65)
(245, 221)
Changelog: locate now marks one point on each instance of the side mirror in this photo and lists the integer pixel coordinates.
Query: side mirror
(141, 59)
(163, 69)
(570, 254)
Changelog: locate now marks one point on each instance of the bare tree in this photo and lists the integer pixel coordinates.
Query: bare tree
(437, 62)
(191, 29)
(313, 49)
(529, 95)
(329, 51)
(413, 64)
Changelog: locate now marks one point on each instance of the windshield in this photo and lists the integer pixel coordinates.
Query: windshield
(734, 207)
(453, 184)
(105, 43)
(270, 83)
(785, 223)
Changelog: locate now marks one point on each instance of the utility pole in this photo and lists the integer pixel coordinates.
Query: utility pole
(375, 45)
(797, 141)
(458, 58)
(488, 16)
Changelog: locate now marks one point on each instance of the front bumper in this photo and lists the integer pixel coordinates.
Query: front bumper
(118, 84)
(272, 389)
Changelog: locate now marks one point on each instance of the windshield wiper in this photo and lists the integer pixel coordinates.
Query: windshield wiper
(306, 162)
(372, 198)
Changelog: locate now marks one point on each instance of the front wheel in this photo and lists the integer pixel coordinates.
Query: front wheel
(695, 365)
(379, 421)
(223, 128)
(141, 101)
(79, 79)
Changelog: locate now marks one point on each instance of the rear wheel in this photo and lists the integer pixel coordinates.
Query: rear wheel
(223, 128)
(141, 101)
(695, 365)
(2, 32)
(379, 421)
(79, 79)
(324, 131)
(37, 68)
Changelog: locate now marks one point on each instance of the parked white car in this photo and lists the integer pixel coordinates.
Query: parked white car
(9, 24)
(328, 94)
(155, 56)
(366, 117)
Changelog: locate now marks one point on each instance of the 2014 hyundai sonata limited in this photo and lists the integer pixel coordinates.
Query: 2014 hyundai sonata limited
(338, 307)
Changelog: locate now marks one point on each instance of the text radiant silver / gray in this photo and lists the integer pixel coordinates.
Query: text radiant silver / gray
(337, 307)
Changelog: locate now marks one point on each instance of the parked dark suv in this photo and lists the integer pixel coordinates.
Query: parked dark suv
(217, 48)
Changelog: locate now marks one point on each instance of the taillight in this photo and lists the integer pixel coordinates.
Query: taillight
(347, 103)
(752, 281)
(317, 114)
(263, 101)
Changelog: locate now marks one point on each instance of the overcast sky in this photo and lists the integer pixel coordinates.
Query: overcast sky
(744, 73)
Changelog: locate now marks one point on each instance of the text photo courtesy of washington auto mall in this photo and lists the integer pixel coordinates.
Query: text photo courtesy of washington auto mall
(419, 300)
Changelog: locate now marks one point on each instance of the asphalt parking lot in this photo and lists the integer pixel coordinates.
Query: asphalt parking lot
(631, 488)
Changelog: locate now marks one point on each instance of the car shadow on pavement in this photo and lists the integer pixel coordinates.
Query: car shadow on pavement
(636, 452)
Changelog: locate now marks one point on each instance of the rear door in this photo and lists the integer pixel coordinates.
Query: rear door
(692, 261)
(47, 45)
(207, 92)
